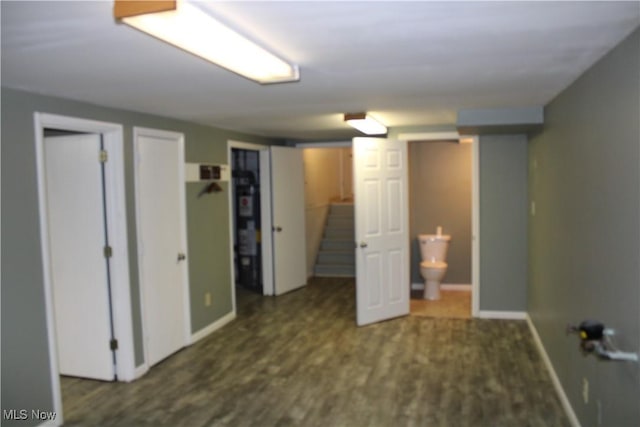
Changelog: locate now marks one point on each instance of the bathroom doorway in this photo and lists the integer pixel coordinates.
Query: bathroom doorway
(440, 196)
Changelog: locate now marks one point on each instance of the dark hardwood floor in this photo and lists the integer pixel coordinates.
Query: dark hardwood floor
(299, 359)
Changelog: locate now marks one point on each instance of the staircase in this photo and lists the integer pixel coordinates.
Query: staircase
(336, 257)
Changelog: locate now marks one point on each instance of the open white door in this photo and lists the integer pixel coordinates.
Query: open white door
(288, 219)
(79, 269)
(162, 242)
(382, 229)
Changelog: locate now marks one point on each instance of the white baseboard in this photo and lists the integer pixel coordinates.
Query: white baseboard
(213, 327)
(140, 371)
(445, 287)
(511, 315)
(573, 419)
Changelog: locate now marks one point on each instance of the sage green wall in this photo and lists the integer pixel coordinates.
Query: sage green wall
(440, 195)
(503, 222)
(209, 257)
(25, 361)
(585, 236)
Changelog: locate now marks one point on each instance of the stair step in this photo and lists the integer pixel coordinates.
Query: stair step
(336, 257)
(328, 270)
(341, 210)
(339, 222)
(337, 244)
(339, 233)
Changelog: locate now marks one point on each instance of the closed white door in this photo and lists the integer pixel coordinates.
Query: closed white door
(382, 232)
(288, 219)
(79, 270)
(160, 203)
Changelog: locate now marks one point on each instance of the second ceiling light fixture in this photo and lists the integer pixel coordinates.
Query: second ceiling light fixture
(365, 123)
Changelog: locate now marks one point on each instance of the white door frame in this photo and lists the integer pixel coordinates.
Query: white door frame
(475, 204)
(178, 137)
(265, 216)
(117, 226)
(475, 226)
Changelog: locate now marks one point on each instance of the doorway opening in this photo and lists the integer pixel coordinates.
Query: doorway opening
(270, 180)
(440, 199)
(87, 156)
(247, 219)
(329, 211)
(77, 216)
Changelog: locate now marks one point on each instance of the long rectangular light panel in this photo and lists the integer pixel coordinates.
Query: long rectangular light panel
(191, 29)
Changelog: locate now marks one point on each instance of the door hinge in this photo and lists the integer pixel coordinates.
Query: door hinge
(104, 156)
(113, 344)
(108, 252)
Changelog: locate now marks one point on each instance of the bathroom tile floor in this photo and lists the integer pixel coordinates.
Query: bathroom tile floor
(451, 305)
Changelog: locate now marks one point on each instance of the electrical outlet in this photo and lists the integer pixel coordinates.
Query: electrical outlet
(585, 390)
(207, 299)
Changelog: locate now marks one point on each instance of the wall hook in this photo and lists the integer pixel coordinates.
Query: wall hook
(212, 187)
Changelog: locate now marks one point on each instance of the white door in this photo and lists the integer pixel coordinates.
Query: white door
(160, 203)
(382, 229)
(288, 219)
(79, 270)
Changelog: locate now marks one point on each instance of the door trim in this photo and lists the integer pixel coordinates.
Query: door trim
(179, 138)
(265, 214)
(117, 225)
(475, 226)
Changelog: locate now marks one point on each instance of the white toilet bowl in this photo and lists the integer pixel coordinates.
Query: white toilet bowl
(433, 251)
(432, 272)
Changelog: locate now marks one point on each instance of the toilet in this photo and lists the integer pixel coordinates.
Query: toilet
(433, 251)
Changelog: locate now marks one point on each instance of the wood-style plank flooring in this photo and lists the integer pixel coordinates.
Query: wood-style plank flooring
(300, 360)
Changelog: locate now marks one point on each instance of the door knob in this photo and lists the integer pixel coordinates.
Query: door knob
(363, 244)
(277, 228)
(181, 257)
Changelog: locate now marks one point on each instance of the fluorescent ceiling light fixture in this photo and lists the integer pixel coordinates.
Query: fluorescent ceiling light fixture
(191, 29)
(365, 123)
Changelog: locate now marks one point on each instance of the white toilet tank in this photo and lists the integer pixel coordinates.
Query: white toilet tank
(433, 247)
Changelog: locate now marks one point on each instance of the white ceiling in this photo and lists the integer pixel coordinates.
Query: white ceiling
(408, 63)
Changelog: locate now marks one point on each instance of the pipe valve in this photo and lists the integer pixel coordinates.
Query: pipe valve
(595, 339)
